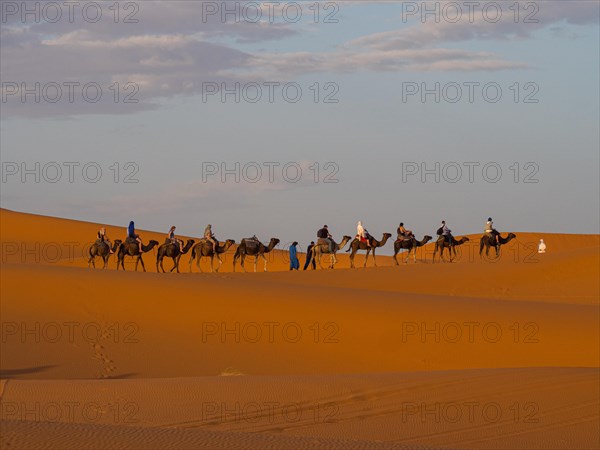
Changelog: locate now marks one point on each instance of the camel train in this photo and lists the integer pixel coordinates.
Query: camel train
(209, 247)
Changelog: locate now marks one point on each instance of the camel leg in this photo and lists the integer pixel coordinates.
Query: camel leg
(352, 259)
(242, 262)
(374, 260)
(212, 260)
(366, 257)
(262, 255)
(105, 261)
(175, 265)
(414, 254)
(220, 263)
(140, 260)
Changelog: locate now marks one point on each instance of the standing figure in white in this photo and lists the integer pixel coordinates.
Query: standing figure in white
(542, 246)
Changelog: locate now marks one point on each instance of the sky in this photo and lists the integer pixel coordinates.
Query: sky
(270, 119)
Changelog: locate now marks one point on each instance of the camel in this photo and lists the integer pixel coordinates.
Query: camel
(357, 245)
(489, 241)
(131, 248)
(244, 250)
(171, 250)
(411, 245)
(102, 250)
(322, 249)
(204, 248)
(442, 243)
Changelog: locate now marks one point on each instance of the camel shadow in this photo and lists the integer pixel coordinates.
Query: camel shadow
(11, 373)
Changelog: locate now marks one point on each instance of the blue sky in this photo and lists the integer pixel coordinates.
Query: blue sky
(368, 134)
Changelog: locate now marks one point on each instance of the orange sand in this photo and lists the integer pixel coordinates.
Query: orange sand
(473, 354)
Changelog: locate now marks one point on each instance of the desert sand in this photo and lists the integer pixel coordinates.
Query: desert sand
(478, 353)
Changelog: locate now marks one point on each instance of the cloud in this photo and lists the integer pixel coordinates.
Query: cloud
(174, 48)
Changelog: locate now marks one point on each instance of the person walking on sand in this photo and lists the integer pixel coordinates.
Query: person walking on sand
(309, 257)
(171, 237)
(542, 246)
(294, 263)
(131, 234)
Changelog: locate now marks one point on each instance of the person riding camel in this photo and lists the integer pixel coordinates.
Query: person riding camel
(403, 233)
(103, 238)
(324, 234)
(491, 231)
(171, 237)
(447, 232)
(209, 236)
(131, 234)
(362, 234)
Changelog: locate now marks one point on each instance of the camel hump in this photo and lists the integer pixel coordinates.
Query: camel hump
(130, 240)
(251, 242)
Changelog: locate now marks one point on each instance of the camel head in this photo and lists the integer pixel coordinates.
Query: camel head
(511, 236)
(344, 241)
(387, 235)
(228, 243)
(426, 239)
(275, 241)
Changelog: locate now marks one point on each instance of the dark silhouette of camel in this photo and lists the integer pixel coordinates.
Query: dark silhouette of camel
(488, 241)
(204, 248)
(102, 250)
(357, 245)
(411, 245)
(256, 249)
(131, 248)
(171, 250)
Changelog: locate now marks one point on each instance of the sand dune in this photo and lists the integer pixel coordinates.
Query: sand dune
(418, 356)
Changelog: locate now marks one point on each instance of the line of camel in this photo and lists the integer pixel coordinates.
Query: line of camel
(255, 248)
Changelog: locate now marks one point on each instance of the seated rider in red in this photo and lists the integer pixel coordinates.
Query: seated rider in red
(362, 234)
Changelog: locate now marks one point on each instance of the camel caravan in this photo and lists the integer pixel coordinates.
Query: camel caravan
(209, 247)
